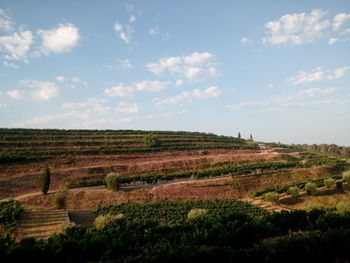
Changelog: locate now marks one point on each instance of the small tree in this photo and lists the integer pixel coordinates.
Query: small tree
(45, 180)
(251, 137)
(196, 213)
(239, 135)
(272, 197)
(151, 140)
(293, 191)
(329, 182)
(113, 181)
(310, 188)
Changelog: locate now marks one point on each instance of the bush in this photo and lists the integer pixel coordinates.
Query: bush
(346, 176)
(108, 220)
(151, 140)
(196, 213)
(329, 182)
(339, 184)
(113, 181)
(314, 206)
(60, 199)
(310, 188)
(272, 197)
(343, 207)
(293, 191)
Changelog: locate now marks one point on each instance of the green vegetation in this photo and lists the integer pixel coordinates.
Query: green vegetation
(339, 184)
(112, 181)
(293, 191)
(229, 236)
(45, 180)
(151, 140)
(310, 188)
(271, 197)
(197, 213)
(9, 213)
(329, 182)
(343, 207)
(108, 221)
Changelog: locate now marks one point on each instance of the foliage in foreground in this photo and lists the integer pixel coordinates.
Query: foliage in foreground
(228, 237)
(9, 213)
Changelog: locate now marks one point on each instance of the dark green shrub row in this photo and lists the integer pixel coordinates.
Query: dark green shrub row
(226, 237)
(284, 188)
(9, 213)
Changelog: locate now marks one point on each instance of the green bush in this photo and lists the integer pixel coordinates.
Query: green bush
(293, 191)
(272, 197)
(343, 207)
(311, 188)
(113, 181)
(151, 140)
(329, 182)
(314, 206)
(45, 180)
(346, 176)
(60, 199)
(108, 220)
(196, 213)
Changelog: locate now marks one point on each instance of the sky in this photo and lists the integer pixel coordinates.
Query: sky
(279, 70)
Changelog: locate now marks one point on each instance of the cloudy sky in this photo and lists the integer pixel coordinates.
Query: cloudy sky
(277, 69)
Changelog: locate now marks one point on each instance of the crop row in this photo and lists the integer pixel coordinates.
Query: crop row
(176, 212)
(20, 155)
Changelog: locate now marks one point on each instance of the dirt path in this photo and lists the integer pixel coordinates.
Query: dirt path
(266, 205)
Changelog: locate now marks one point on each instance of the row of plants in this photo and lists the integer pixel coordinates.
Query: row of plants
(107, 143)
(177, 212)
(229, 236)
(9, 214)
(20, 155)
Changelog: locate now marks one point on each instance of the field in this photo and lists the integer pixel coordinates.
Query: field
(223, 180)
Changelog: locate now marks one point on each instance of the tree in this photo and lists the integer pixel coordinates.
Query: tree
(251, 137)
(45, 180)
(239, 135)
(113, 181)
(151, 140)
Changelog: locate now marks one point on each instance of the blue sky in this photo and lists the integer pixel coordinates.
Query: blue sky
(277, 69)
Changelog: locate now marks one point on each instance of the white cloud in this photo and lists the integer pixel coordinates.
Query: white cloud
(58, 40)
(130, 91)
(10, 64)
(286, 100)
(179, 82)
(246, 41)
(2, 105)
(332, 41)
(121, 91)
(125, 107)
(16, 45)
(317, 75)
(270, 86)
(91, 102)
(167, 114)
(6, 23)
(70, 82)
(132, 19)
(194, 67)
(15, 94)
(187, 97)
(41, 90)
(154, 31)
(339, 20)
(125, 63)
(60, 78)
(124, 32)
(296, 29)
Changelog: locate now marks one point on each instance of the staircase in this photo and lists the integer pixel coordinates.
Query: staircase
(40, 223)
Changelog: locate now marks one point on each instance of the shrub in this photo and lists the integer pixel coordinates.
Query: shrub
(151, 140)
(108, 220)
(272, 197)
(293, 191)
(343, 207)
(310, 188)
(60, 199)
(196, 213)
(346, 176)
(329, 182)
(113, 181)
(314, 206)
(45, 180)
(339, 184)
